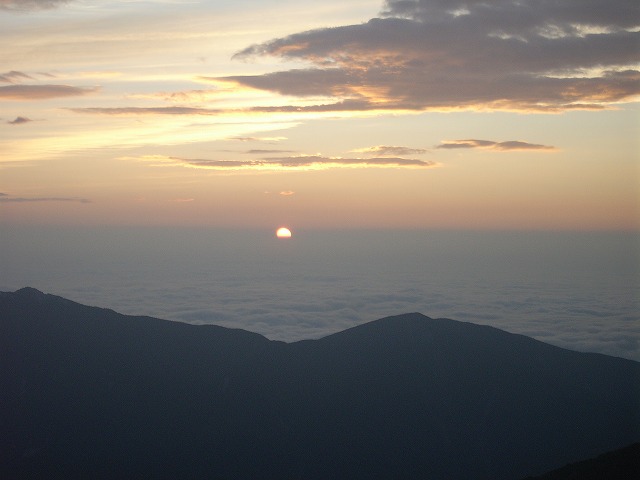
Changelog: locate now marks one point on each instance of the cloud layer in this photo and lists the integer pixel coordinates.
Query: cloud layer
(41, 92)
(6, 198)
(491, 145)
(379, 156)
(17, 90)
(430, 54)
(386, 150)
(30, 4)
(14, 76)
(294, 163)
(19, 120)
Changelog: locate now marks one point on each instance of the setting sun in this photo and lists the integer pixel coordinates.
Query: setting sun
(283, 232)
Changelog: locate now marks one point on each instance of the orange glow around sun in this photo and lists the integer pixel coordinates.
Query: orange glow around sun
(283, 232)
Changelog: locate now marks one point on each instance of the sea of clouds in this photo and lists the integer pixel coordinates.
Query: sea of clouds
(575, 290)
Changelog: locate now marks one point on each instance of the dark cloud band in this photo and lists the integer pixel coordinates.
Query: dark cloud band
(431, 54)
(41, 92)
(25, 5)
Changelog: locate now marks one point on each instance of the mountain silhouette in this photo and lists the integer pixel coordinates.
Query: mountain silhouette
(86, 392)
(621, 464)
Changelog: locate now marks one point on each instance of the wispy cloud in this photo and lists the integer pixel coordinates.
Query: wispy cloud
(25, 5)
(148, 111)
(259, 139)
(489, 144)
(14, 76)
(384, 150)
(181, 96)
(349, 105)
(431, 54)
(17, 90)
(19, 121)
(265, 151)
(6, 198)
(306, 162)
(42, 92)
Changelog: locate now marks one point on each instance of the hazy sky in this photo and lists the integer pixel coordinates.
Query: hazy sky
(321, 113)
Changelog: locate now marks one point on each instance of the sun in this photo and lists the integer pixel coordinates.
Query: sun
(283, 232)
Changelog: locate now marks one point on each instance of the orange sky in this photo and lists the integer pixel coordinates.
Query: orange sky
(358, 115)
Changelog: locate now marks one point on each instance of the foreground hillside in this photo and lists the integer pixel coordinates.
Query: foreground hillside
(621, 464)
(89, 393)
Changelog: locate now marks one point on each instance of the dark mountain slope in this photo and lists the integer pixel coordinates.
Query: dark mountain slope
(87, 392)
(497, 403)
(84, 388)
(622, 464)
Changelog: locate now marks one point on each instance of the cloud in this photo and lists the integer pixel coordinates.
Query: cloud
(147, 111)
(22, 5)
(319, 161)
(42, 92)
(491, 145)
(185, 96)
(14, 76)
(19, 121)
(535, 17)
(259, 139)
(6, 198)
(340, 106)
(519, 55)
(258, 151)
(305, 162)
(384, 150)
(517, 145)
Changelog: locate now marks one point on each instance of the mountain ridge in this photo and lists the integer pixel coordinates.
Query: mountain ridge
(89, 391)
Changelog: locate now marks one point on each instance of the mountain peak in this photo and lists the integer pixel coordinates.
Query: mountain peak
(29, 294)
(30, 291)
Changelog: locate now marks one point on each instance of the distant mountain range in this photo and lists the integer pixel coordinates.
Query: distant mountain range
(86, 392)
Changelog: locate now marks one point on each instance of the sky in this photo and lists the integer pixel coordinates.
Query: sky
(252, 114)
(464, 159)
